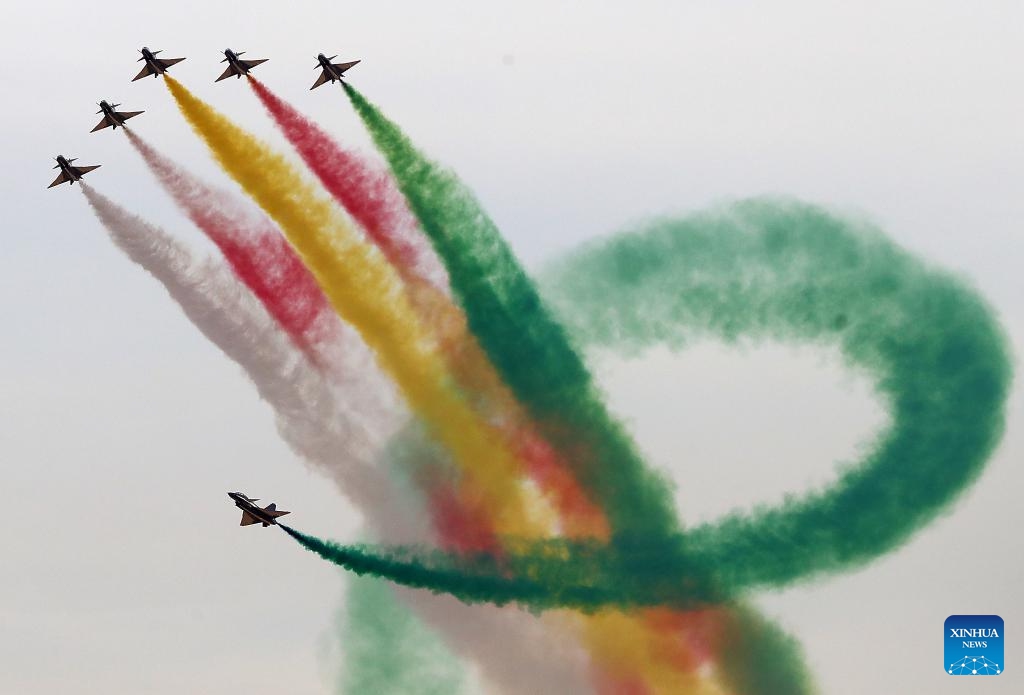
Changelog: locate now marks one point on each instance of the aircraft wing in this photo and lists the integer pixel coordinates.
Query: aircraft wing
(129, 114)
(342, 67)
(273, 511)
(82, 171)
(61, 178)
(323, 78)
(168, 62)
(104, 123)
(248, 519)
(253, 63)
(228, 72)
(146, 71)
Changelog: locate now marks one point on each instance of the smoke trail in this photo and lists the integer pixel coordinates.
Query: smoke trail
(365, 291)
(643, 652)
(379, 624)
(322, 156)
(758, 658)
(538, 575)
(545, 660)
(366, 191)
(370, 196)
(763, 270)
(519, 653)
(310, 423)
(266, 263)
(338, 171)
(254, 247)
(255, 256)
(528, 347)
(310, 417)
(786, 271)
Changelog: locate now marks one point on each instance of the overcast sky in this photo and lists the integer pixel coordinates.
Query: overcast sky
(124, 570)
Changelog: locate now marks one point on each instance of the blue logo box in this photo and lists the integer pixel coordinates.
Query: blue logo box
(974, 645)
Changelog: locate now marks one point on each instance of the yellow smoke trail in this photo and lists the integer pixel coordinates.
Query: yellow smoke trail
(365, 291)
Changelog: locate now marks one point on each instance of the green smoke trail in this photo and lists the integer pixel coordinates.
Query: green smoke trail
(388, 650)
(761, 659)
(523, 341)
(538, 574)
(763, 270)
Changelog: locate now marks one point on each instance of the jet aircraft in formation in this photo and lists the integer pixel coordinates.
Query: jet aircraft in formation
(252, 513)
(154, 66)
(237, 66)
(331, 72)
(112, 118)
(68, 173)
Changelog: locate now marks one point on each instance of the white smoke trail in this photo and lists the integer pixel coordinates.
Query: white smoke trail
(312, 419)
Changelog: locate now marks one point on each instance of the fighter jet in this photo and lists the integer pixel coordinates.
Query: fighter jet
(252, 513)
(154, 66)
(237, 66)
(112, 118)
(69, 173)
(331, 71)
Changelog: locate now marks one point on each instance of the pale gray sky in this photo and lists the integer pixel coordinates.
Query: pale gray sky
(124, 571)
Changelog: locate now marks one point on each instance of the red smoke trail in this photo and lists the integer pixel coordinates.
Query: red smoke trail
(366, 191)
(254, 247)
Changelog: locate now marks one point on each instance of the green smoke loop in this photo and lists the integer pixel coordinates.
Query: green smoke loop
(756, 271)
